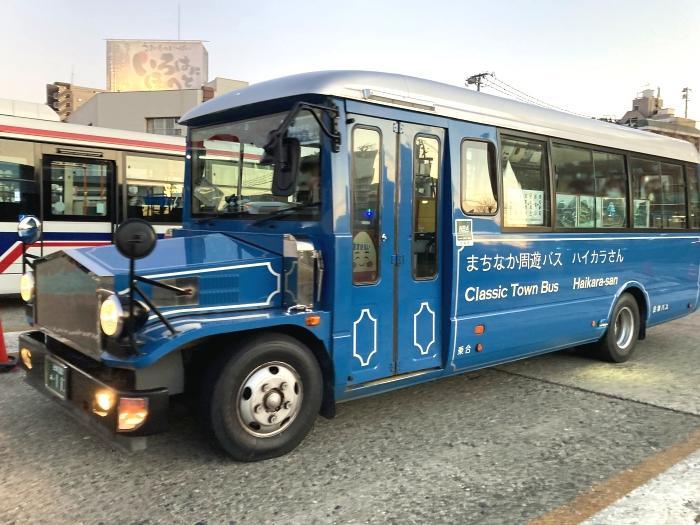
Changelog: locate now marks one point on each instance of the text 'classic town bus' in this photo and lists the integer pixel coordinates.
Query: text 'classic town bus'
(81, 181)
(349, 233)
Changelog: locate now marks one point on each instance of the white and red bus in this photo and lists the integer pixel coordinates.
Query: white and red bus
(81, 181)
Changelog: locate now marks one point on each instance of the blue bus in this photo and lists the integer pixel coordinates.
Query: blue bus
(349, 233)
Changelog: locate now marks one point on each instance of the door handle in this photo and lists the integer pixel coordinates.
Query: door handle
(384, 237)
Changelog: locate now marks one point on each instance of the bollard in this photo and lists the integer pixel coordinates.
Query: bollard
(7, 362)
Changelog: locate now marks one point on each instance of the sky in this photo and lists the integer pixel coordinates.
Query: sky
(588, 56)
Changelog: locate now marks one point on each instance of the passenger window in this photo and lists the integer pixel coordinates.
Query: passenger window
(576, 203)
(525, 183)
(478, 180)
(659, 194)
(673, 191)
(694, 196)
(78, 187)
(610, 190)
(18, 188)
(591, 188)
(426, 174)
(154, 188)
(365, 188)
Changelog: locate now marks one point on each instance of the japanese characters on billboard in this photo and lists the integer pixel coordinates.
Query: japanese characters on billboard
(149, 65)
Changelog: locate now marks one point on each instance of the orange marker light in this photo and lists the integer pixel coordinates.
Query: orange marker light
(313, 320)
(479, 329)
(132, 413)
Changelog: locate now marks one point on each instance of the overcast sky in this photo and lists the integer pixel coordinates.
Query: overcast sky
(588, 56)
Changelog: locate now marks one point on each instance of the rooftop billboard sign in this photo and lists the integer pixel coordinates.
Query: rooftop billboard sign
(151, 65)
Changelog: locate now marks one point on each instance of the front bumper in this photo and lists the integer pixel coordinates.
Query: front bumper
(84, 377)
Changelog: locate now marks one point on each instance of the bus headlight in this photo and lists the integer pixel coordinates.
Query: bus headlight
(111, 316)
(26, 286)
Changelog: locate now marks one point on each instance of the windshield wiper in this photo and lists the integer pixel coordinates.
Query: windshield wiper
(282, 211)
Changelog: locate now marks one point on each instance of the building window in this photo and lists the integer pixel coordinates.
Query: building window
(525, 183)
(164, 126)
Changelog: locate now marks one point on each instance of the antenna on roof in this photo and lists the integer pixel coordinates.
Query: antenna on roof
(178, 20)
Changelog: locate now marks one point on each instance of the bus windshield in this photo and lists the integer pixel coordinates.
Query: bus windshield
(229, 180)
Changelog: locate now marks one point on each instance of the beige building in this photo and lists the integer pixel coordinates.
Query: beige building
(65, 98)
(148, 111)
(649, 114)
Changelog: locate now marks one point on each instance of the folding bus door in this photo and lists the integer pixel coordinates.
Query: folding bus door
(79, 204)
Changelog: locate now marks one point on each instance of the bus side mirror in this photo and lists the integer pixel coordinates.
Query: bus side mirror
(135, 239)
(286, 153)
(29, 229)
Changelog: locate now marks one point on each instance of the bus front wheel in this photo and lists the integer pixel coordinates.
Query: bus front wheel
(620, 339)
(260, 401)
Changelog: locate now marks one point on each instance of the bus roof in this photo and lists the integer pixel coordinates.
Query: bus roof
(446, 100)
(81, 135)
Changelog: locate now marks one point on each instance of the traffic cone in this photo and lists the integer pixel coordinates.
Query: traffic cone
(7, 362)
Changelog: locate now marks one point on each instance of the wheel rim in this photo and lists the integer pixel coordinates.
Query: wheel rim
(269, 399)
(624, 328)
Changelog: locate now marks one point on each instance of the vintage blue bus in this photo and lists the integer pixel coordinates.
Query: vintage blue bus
(349, 233)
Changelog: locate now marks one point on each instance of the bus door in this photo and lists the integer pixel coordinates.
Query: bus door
(79, 203)
(395, 297)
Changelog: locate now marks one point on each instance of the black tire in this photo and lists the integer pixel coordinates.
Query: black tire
(224, 394)
(620, 339)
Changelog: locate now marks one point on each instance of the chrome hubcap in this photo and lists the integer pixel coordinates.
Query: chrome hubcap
(269, 399)
(624, 328)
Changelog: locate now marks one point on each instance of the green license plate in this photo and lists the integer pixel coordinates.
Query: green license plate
(56, 377)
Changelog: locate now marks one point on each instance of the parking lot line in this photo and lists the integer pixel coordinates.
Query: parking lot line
(607, 492)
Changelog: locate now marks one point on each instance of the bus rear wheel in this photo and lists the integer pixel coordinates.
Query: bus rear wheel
(261, 401)
(620, 339)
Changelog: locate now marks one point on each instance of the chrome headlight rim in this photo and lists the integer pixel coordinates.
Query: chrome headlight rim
(27, 286)
(116, 316)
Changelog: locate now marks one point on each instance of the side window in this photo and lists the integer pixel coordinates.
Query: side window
(18, 188)
(659, 194)
(610, 190)
(154, 188)
(694, 195)
(77, 188)
(478, 179)
(673, 191)
(575, 195)
(426, 174)
(525, 183)
(365, 189)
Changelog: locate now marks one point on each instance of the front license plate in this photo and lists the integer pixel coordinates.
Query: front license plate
(56, 377)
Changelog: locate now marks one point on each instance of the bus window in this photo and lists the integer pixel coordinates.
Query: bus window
(575, 196)
(610, 190)
(426, 173)
(478, 180)
(77, 187)
(694, 196)
(154, 188)
(18, 188)
(366, 172)
(673, 191)
(525, 183)
(659, 194)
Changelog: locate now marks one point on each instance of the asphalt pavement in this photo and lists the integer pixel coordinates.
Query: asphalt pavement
(506, 445)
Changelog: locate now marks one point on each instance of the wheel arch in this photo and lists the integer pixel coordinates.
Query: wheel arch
(197, 355)
(637, 291)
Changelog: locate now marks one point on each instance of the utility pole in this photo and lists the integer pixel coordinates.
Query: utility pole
(686, 95)
(477, 79)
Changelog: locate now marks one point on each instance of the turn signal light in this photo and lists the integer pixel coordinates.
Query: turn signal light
(313, 320)
(132, 413)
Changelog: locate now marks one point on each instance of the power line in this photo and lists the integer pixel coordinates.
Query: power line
(510, 91)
